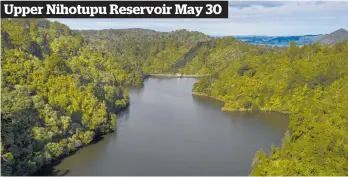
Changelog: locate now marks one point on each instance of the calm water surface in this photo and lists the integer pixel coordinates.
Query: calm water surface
(167, 131)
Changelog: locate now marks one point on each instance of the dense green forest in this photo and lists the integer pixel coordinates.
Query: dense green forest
(61, 90)
(179, 51)
(56, 94)
(145, 50)
(309, 83)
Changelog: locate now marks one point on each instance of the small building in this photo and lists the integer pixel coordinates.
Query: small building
(178, 74)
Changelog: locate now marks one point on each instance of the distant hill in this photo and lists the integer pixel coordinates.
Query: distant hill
(330, 39)
(280, 40)
(334, 37)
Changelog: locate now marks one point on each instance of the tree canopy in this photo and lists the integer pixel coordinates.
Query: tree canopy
(310, 84)
(61, 89)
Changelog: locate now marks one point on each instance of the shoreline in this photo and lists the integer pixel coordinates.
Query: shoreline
(205, 95)
(58, 160)
(225, 109)
(100, 136)
(218, 99)
(177, 75)
(96, 139)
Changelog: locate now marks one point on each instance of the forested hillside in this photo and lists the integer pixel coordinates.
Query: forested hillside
(144, 50)
(57, 95)
(61, 89)
(308, 83)
(179, 51)
(212, 56)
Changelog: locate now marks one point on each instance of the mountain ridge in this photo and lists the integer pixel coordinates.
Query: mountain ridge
(329, 39)
(334, 37)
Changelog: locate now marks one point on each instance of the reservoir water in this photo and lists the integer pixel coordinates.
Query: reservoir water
(168, 131)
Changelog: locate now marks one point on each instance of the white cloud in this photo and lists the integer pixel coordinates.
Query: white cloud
(292, 10)
(285, 18)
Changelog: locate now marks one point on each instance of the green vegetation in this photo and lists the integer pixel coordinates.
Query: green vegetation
(212, 56)
(57, 95)
(309, 83)
(145, 50)
(61, 89)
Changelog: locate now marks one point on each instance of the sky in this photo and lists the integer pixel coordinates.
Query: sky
(271, 18)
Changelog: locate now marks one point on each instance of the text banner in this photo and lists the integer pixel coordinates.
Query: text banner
(114, 9)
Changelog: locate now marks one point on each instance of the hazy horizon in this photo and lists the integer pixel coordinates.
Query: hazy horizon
(213, 35)
(260, 18)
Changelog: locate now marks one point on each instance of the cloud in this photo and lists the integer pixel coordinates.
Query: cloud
(244, 4)
(296, 10)
(245, 18)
